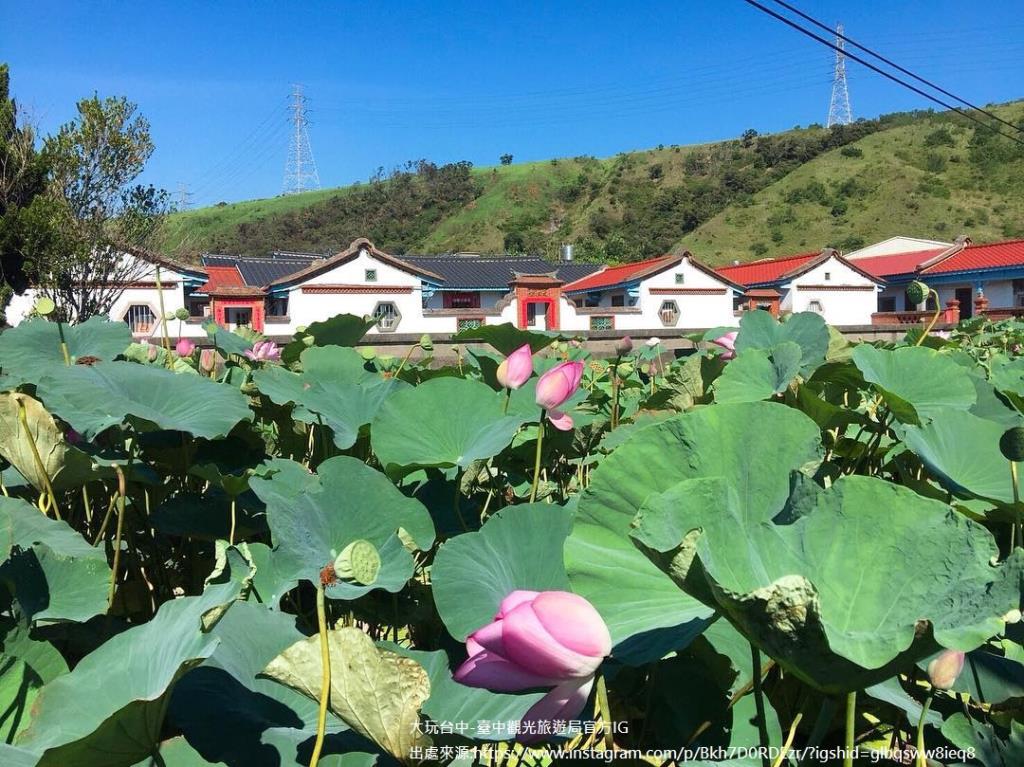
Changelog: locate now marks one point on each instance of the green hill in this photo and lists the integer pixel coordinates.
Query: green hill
(922, 174)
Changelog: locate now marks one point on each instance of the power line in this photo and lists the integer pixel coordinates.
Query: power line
(887, 75)
(839, 112)
(843, 38)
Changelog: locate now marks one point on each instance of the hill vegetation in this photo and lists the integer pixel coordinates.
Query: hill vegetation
(921, 173)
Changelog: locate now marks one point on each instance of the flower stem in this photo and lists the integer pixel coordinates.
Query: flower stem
(325, 677)
(234, 517)
(615, 392)
(63, 344)
(762, 727)
(508, 399)
(536, 460)
(851, 721)
(789, 740)
(1016, 539)
(606, 713)
(935, 318)
(921, 760)
(121, 491)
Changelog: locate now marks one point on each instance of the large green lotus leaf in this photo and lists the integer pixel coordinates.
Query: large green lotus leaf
(122, 687)
(444, 422)
(506, 337)
(65, 466)
(339, 330)
(95, 398)
(520, 547)
(982, 740)
(54, 572)
(312, 518)
(962, 450)
(225, 340)
(230, 714)
(378, 693)
(1007, 374)
(993, 406)
(756, 445)
(450, 701)
(756, 374)
(33, 347)
(918, 384)
(759, 330)
(320, 395)
(26, 665)
(838, 590)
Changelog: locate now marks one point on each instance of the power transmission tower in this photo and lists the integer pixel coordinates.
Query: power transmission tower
(300, 172)
(184, 196)
(839, 108)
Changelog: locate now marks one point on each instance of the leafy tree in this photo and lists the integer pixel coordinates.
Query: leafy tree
(22, 177)
(506, 159)
(93, 212)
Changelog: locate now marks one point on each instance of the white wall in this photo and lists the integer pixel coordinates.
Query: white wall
(839, 307)
(896, 245)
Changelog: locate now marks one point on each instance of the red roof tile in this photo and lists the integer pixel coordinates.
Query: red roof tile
(617, 275)
(991, 256)
(766, 270)
(221, 277)
(897, 263)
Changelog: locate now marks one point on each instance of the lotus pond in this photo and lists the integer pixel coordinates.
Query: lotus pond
(253, 555)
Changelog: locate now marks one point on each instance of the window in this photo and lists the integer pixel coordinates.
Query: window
(619, 300)
(669, 313)
(277, 306)
(370, 275)
(815, 306)
(887, 304)
(468, 323)
(680, 278)
(592, 300)
(1018, 293)
(602, 323)
(828, 276)
(461, 300)
(140, 318)
(387, 316)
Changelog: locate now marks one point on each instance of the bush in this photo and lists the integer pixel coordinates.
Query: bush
(851, 151)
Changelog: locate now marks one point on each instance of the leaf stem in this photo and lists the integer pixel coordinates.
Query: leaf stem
(606, 713)
(935, 318)
(762, 727)
(234, 517)
(921, 760)
(325, 677)
(536, 459)
(789, 740)
(851, 721)
(121, 491)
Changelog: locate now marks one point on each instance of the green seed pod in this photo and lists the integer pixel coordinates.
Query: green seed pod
(1012, 444)
(45, 306)
(426, 344)
(917, 292)
(359, 563)
(181, 314)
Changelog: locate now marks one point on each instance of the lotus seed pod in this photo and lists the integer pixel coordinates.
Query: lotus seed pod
(45, 306)
(917, 292)
(181, 314)
(359, 563)
(426, 343)
(944, 670)
(625, 370)
(1012, 444)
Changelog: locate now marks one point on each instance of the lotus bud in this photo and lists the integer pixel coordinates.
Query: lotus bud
(359, 562)
(152, 352)
(555, 387)
(207, 360)
(181, 314)
(45, 306)
(624, 346)
(727, 342)
(516, 368)
(1011, 444)
(426, 343)
(653, 341)
(184, 347)
(945, 668)
(917, 292)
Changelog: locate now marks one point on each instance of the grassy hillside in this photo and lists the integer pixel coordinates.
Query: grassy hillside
(920, 173)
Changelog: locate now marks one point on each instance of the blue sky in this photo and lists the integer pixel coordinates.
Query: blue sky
(393, 81)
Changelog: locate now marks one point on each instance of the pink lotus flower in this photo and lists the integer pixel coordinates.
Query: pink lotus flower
(516, 368)
(264, 351)
(727, 342)
(555, 387)
(624, 346)
(945, 668)
(539, 639)
(184, 347)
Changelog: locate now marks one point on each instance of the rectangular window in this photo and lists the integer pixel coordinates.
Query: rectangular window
(370, 275)
(887, 304)
(602, 323)
(469, 323)
(828, 276)
(592, 300)
(619, 300)
(680, 278)
(277, 306)
(461, 300)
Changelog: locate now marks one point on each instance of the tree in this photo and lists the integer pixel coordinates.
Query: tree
(22, 177)
(81, 232)
(506, 159)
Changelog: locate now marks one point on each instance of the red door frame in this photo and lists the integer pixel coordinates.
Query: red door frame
(548, 311)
